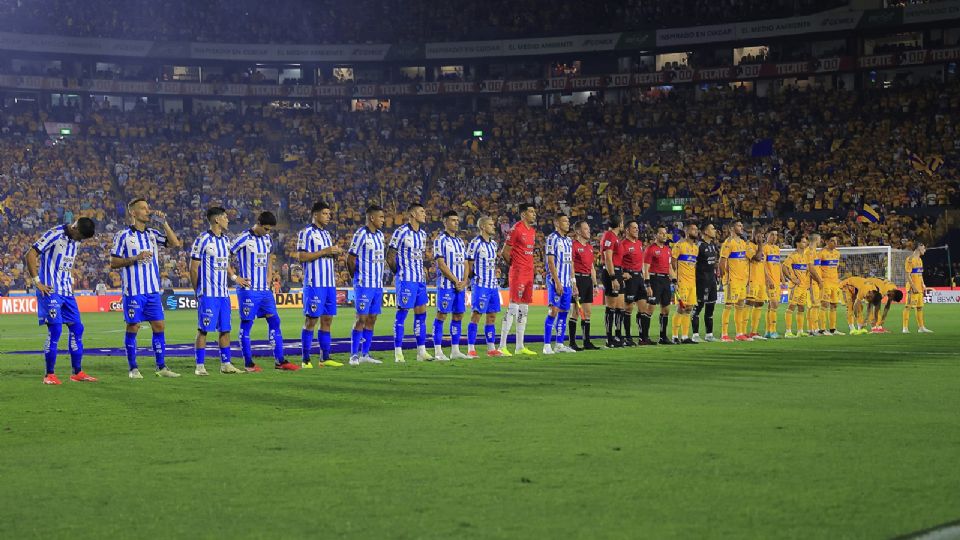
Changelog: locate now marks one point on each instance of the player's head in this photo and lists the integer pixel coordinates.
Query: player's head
(802, 242)
(562, 224)
(921, 249)
(375, 217)
(217, 215)
(758, 237)
(736, 229)
(528, 213)
(321, 214)
(486, 225)
(692, 231)
(138, 210)
(451, 221)
(814, 240)
(615, 224)
(833, 241)
(266, 221)
(416, 214)
(874, 298)
(772, 236)
(895, 295)
(709, 231)
(632, 229)
(583, 230)
(82, 228)
(662, 235)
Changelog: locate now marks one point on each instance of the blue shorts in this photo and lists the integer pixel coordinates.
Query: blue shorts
(256, 304)
(451, 301)
(142, 307)
(213, 314)
(57, 309)
(486, 300)
(559, 299)
(319, 301)
(369, 300)
(411, 294)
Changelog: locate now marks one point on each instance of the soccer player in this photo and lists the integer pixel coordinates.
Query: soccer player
(813, 317)
(252, 250)
(365, 262)
(586, 279)
(774, 277)
(856, 289)
(796, 268)
(560, 285)
(756, 287)
(734, 271)
(685, 253)
(830, 292)
(635, 293)
(708, 256)
(449, 251)
(317, 252)
(518, 253)
(882, 289)
(209, 268)
(658, 275)
(135, 253)
(481, 270)
(50, 265)
(612, 277)
(405, 259)
(915, 288)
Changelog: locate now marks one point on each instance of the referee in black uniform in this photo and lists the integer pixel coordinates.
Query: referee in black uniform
(707, 282)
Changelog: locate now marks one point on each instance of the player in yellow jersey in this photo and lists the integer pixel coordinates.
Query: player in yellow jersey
(881, 289)
(734, 271)
(685, 268)
(771, 264)
(855, 289)
(813, 315)
(796, 268)
(915, 288)
(830, 292)
(756, 288)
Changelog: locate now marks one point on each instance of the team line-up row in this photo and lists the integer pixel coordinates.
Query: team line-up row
(635, 279)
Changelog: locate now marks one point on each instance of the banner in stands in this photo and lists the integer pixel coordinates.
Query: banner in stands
(934, 11)
(522, 47)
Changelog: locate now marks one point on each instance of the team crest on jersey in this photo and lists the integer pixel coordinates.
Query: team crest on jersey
(52, 313)
(445, 304)
(131, 312)
(363, 303)
(313, 305)
(246, 310)
(405, 298)
(206, 321)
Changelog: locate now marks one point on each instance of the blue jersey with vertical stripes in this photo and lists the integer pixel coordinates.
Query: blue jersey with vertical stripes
(57, 254)
(484, 257)
(452, 250)
(318, 272)
(253, 259)
(141, 277)
(368, 248)
(410, 246)
(561, 248)
(213, 252)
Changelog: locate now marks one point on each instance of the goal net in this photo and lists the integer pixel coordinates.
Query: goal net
(870, 261)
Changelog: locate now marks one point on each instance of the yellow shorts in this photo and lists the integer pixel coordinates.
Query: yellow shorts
(757, 292)
(914, 300)
(687, 294)
(734, 293)
(773, 294)
(799, 296)
(831, 293)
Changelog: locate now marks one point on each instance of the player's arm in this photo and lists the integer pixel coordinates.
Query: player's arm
(507, 249)
(117, 260)
(194, 271)
(815, 273)
(33, 263)
(173, 240)
(573, 281)
(768, 276)
(445, 270)
(237, 278)
(467, 270)
(552, 270)
(195, 252)
(787, 271)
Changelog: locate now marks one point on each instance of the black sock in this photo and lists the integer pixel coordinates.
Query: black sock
(618, 319)
(626, 325)
(573, 332)
(664, 321)
(644, 320)
(585, 324)
(608, 322)
(695, 319)
(708, 318)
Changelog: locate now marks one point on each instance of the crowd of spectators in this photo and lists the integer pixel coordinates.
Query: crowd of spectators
(828, 152)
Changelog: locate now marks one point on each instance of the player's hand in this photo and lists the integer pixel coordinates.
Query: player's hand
(649, 290)
(462, 285)
(144, 255)
(627, 275)
(44, 290)
(160, 217)
(557, 285)
(243, 282)
(335, 251)
(576, 292)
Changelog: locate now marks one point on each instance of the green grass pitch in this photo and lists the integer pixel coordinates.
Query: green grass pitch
(828, 437)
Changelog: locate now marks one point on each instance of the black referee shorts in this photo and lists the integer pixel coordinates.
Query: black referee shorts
(607, 281)
(662, 295)
(636, 288)
(585, 288)
(707, 288)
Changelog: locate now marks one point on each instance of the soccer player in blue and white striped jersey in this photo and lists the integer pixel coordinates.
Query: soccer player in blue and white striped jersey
(365, 262)
(405, 258)
(318, 253)
(209, 268)
(50, 264)
(449, 251)
(481, 271)
(253, 249)
(135, 253)
(561, 285)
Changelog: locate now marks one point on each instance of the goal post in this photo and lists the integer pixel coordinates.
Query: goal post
(870, 261)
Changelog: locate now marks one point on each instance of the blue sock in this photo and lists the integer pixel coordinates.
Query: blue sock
(367, 341)
(490, 333)
(245, 347)
(398, 324)
(437, 332)
(355, 338)
(472, 333)
(561, 327)
(160, 349)
(225, 354)
(50, 349)
(130, 344)
(306, 341)
(548, 329)
(201, 355)
(76, 347)
(456, 329)
(324, 339)
(420, 327)
(276, 338)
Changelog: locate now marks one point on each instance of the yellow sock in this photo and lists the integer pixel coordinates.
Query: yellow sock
(824, 317)
(813, 319)
(757, 312)
(833, 319)
(789, 318)
(772, 321)
(920, 322)
(685, 326)
(906, 318)
(741, 321)
(724, 319)
(800, 320)
(676, 324)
